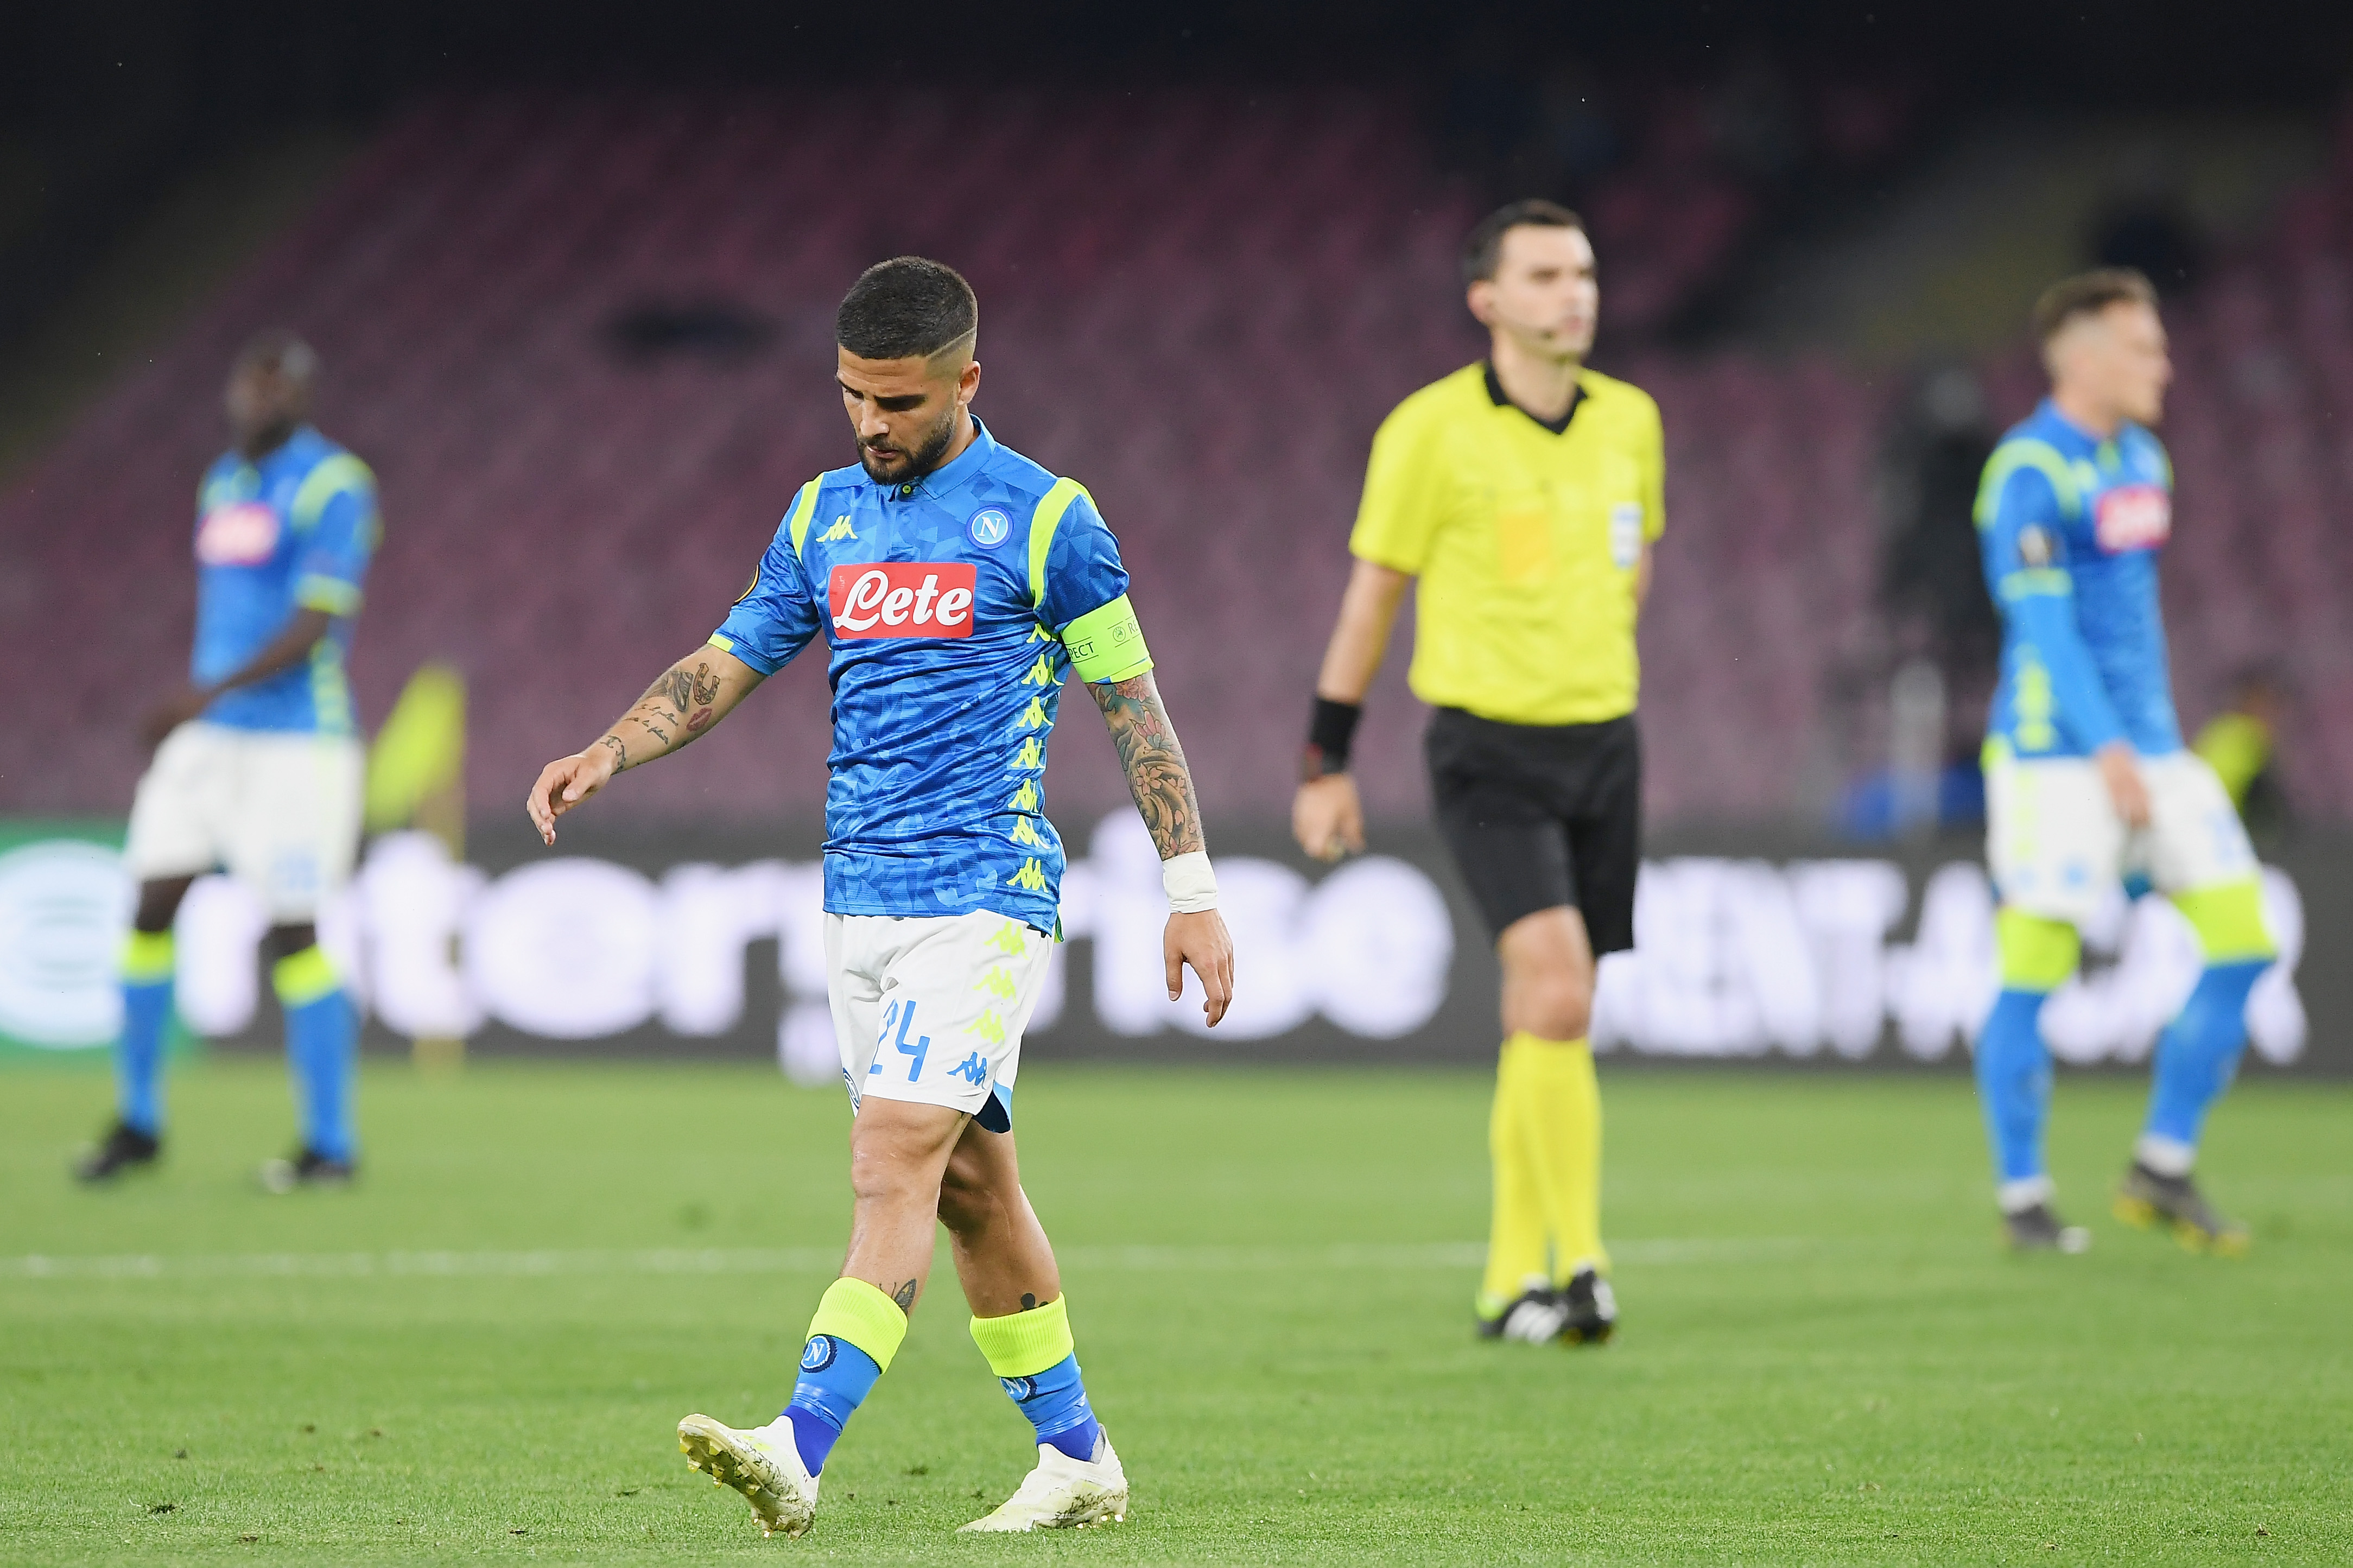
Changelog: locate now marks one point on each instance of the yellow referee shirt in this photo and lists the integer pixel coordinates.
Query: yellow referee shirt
(1525, 543)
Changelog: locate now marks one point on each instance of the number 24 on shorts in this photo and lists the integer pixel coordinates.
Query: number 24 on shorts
(901, 1014)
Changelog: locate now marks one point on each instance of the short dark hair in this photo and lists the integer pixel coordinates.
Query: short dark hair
(280, 351)
(906, 308)
(2088, 294)
(1482, 251)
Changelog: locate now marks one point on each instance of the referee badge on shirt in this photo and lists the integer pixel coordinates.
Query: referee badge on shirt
(1626, 534)
(989, 527)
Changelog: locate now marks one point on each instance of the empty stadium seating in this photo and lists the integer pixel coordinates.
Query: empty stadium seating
(1199, 303)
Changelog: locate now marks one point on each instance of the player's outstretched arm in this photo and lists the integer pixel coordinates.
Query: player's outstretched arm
(1163, 788)
(1326, 817)
(691, 695)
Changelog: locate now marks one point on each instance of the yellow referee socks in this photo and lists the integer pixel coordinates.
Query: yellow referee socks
(1544, 1136)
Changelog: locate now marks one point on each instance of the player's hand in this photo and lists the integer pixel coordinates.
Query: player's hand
(565, 784)
(1200, 939)
(2121, 773)
(171, 712)
(1327, 818)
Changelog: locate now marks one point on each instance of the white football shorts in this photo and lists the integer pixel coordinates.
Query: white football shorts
(930, 1009)
(2056, 845)
(279, 811)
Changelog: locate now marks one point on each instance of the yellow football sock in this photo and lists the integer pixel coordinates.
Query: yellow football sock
(1515, 1241)
(1560, 1107)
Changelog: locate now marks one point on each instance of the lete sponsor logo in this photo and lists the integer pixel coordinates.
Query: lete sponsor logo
(243, 533)
(2134, 517)
(901, 599)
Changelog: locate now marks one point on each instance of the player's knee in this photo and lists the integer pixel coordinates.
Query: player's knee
(894, 1165)
(967, 1201)
(1557, 1005)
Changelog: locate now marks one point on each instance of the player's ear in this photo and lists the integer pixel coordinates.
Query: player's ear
(968, 382)
(1480, 297)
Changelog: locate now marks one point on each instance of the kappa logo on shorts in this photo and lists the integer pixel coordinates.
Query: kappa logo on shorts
(2133, 517)
(901, 599)
(242, 534)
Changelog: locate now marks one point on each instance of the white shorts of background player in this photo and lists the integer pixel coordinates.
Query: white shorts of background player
(2056, 846)
(930, 1009)
(278, 811)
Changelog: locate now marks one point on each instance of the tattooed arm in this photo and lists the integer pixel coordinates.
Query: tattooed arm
(1163, 788)
(689, 697)
(1155, 762)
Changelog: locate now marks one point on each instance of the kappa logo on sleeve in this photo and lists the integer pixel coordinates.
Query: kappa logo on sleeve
(2134, 517)
(901, 599)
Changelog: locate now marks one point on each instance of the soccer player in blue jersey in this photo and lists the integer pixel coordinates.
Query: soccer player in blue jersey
(2087, 779)
(956, 585)
(259, 765)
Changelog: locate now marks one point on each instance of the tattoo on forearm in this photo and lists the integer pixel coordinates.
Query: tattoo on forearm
(905, 1296)
(1154, 764)
(705, 684)
(620, 751)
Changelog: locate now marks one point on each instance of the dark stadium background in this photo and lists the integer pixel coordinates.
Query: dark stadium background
(571, 269)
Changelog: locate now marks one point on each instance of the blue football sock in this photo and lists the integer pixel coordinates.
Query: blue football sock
(321, 1040)
(147, 962)
(836, 1377)
(2014, 1085)
(2198, 1052)
(1055, 1401)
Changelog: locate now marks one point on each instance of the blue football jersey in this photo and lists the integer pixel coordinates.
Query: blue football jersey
(2071, 527)
(293, 532)
(954, 608)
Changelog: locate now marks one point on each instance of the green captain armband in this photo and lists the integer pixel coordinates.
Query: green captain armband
(1106, 644)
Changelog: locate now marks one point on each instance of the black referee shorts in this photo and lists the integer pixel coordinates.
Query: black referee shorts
(1541, 816)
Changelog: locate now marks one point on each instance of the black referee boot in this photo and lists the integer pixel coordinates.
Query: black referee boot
(124, 1148)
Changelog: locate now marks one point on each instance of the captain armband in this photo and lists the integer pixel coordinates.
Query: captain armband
(1106, 644)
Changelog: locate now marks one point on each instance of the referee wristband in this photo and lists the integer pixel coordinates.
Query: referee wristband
(1330, 732)
(1189, 882)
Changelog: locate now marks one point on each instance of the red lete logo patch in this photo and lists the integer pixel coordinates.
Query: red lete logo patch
(2133, 517)
(901, 599)
(242, 534)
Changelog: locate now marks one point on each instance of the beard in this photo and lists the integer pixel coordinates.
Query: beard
(882, 469)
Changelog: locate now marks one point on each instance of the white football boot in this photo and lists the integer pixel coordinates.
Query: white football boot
(1063, 1493)
(764, 1464)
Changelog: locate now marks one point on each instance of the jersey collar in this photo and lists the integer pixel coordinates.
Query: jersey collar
(1495, 395)
(943, 482)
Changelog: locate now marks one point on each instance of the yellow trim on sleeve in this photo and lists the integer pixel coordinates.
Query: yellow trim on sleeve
(2020, 453)
(333, 477)
(2036, 581)
(723, 644)
(316, 591)
(861, 1314)
(804, 508)
(1026, 1343)
(1042, 524)
(1106, 644)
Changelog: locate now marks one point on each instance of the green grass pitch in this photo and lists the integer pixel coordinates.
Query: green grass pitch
(481, 1352)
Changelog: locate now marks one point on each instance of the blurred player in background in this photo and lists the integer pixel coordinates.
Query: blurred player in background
(2087, 779)
(1525, 493)
(956, 585)
(259, 765)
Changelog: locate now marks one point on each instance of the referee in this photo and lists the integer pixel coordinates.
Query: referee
(1524, 492)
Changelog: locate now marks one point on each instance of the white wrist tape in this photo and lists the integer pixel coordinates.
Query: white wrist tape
(1191, 885)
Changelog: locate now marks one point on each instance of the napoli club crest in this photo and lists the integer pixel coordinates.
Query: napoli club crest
(817, 1354)
(989, 527)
